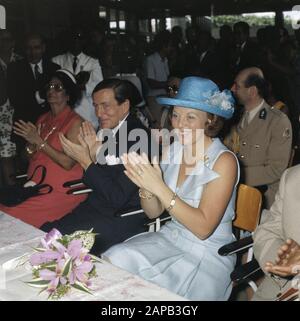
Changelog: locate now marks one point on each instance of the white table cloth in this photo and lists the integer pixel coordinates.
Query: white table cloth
(112, 283)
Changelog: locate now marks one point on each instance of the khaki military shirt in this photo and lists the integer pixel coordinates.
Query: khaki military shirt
(263, 148)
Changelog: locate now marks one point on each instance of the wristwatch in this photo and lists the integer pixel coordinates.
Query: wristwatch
(172, 203)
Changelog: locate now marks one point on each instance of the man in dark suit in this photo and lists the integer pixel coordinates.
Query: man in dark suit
(191, 51)
(208, 63)
(104, 173)
(247, 52)
(26, 80)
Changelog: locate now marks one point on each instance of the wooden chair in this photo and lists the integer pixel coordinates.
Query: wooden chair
(248, 210)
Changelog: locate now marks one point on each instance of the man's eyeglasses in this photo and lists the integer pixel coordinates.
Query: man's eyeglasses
(56, 87)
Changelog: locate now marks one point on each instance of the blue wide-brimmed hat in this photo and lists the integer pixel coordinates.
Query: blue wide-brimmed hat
(203, 94)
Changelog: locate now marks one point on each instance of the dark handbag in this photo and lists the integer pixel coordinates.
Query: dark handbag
(17, 194)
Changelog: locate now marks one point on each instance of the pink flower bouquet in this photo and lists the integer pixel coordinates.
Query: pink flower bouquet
(63, 262)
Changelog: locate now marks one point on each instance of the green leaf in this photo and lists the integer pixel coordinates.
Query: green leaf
(38, 283)
(67, 267)
(50, 296)
(95, 258)
(45, 288)
(64, 240)
(93, 272)
(51, 265)
(39, 249)
(80, 286)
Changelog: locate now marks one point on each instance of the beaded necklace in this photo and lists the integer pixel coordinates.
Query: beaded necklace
(50, 132)
(54, 127)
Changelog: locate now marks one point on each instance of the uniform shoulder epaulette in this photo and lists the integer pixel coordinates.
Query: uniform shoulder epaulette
(277, 112)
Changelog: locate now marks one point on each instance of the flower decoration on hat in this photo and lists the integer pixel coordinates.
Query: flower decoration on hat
(223, 100)
(202, 94)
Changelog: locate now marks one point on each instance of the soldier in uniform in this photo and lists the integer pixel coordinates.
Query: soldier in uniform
(262, 138)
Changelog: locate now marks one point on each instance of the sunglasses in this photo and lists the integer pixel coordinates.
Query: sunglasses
(172, 90)
(56, 87)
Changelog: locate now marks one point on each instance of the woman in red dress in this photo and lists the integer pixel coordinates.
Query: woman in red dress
(44, 148)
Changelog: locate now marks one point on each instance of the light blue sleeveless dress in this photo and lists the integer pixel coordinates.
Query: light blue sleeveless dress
(174, 258)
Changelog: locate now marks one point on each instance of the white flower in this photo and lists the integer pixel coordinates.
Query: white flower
(112, 160)
(207, 94)
(221, 100)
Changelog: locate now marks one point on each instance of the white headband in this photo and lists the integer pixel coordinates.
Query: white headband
(69, 74)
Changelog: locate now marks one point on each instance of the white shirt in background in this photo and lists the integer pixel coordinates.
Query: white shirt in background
(157, 68)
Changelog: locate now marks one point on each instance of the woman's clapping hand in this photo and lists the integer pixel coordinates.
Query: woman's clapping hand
(140, 171)
(28, 131)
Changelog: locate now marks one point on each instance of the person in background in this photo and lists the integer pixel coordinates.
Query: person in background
(246, 51)
(96, 35)
(26, 80)
(262, 138)
(7, 147)
(289, 69)
(87, 70)
(274, 102)
(191, 50)
(208, 64)
(224, 50)
(44, 148)
(176, 58)
(157, 74)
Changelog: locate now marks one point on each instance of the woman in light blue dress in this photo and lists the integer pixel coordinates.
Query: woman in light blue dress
(196, 183)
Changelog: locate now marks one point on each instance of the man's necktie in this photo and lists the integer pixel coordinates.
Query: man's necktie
(37, 73)
(75, 61)
(239, 52)
(245, 120)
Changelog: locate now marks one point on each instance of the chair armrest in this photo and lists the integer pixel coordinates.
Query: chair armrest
(21, 176)
(129, 212)
(74, 183)
(154, 221)
(79, 190)
(236, 246)
(243, 272)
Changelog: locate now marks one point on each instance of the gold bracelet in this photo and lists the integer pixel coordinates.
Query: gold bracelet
(144, 194)
(43, 144)
(29, 151)
(172, 203)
